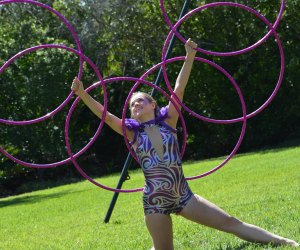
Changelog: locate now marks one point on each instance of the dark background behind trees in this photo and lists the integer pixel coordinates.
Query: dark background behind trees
(125, 38)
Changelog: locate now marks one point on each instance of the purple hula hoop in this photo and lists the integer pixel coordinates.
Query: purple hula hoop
(108, 81)
(70, 28)
(224, 72)
(56, 46)
(238, 52)
(248, 115)
(141, 80)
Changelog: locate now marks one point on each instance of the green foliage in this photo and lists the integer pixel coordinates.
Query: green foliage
(125, 38)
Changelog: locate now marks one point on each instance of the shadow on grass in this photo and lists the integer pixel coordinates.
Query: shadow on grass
(262, 150)
(35, 198)
(286, 145)
(239, 247)
(245, 245)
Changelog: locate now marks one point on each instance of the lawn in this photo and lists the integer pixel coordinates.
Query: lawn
(261, 188)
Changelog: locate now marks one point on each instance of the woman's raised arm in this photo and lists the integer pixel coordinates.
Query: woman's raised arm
(97, 108)
(182, 81)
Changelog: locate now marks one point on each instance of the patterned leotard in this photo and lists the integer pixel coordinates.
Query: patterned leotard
(166, 190)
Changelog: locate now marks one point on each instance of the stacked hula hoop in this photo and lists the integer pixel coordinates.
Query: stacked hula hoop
(138, 81)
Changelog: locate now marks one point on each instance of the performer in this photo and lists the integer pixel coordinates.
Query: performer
(152, 132)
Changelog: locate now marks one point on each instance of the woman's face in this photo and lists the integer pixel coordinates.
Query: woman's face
(141, 107)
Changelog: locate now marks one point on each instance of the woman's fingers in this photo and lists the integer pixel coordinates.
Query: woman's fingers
(190, 46)
(191, 43)
(76, 84)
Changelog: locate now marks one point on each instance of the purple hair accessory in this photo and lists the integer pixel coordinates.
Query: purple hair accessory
(163, 114)
(132, 124)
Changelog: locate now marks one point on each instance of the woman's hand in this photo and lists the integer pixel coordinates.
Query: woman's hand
(77, 86)
(190, 47)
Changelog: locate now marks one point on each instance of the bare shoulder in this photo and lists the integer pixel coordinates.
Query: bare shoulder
(171, 122)
(172, 116)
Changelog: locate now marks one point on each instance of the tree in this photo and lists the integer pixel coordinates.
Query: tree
(125, 38)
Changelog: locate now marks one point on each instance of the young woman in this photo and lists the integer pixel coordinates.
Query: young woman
(152, 132)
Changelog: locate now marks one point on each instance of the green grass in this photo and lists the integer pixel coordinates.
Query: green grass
(262, 188)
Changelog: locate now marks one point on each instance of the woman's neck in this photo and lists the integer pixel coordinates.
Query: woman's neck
(146, 119)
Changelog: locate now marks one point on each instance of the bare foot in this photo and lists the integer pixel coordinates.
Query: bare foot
(291, 243)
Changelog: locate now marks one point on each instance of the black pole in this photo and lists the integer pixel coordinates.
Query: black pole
(170, 47)
(119, 185)
(129, 157)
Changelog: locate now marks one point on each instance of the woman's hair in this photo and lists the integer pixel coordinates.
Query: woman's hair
(149, 98)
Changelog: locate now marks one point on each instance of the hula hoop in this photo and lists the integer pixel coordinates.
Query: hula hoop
(231, 120)
(224, 72)
(272, 30)
(70, 28)
(55, 164)
(80, 170)
(233, 53)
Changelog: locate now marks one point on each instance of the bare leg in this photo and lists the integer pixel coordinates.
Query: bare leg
(206, 213)
(160, 228)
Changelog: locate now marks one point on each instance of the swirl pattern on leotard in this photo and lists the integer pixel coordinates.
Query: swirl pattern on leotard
(166, 190)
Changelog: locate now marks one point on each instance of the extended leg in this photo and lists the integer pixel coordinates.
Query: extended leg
(160, 228)
(204, 212)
